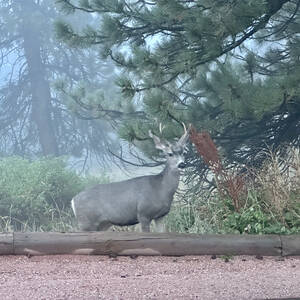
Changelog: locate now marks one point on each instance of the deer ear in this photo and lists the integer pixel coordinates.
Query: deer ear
(158, 143)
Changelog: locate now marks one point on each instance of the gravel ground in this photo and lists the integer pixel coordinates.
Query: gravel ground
(101, 277)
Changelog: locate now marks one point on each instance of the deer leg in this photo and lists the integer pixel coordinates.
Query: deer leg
(145, 227)
(86, 224)
(160, 225)
(145, 223)
(87, 227)
(103, 226)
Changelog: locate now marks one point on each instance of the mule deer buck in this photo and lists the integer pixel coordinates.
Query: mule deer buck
(137, 200)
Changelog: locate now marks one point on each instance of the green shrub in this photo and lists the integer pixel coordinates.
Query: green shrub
(36, 195)
(217, 215)
(258, 218)
(271, 203)
(181, 217)
(194, 215)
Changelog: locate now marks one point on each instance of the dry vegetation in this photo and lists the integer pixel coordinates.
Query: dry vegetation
(266, 200)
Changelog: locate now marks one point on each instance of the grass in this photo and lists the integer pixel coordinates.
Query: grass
(269, 204)
(65, 222)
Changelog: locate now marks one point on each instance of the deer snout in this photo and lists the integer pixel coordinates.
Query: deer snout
(182, 165)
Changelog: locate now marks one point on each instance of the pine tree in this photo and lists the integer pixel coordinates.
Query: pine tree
(229, 67)
(35, 117)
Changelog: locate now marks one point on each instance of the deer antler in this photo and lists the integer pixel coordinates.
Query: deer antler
(158, 143)
(161, 128)
(182, 141)
(184, 127)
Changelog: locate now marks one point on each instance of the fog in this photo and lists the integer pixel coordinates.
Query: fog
(39, 80)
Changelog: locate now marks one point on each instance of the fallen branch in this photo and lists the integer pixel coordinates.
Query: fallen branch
(133, 243)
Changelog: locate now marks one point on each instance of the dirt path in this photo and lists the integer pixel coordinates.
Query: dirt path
(99, 277)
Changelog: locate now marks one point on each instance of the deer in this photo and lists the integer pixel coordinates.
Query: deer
(136, 200)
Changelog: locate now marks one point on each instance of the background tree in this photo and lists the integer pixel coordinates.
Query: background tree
(229, 67)
(35, 118)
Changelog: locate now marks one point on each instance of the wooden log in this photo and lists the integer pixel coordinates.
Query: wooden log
(290, 245)
(132, 243)
(6, 243)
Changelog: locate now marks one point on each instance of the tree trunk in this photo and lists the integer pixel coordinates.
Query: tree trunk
(40, 89)
(135, 243)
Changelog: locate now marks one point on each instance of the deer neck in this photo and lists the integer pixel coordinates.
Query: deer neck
(170, 178)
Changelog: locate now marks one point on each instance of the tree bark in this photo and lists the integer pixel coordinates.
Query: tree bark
(134, 243)
(40, 88)
(6, 243)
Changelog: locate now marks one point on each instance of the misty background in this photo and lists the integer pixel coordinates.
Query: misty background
(83, 81)
(38, 73)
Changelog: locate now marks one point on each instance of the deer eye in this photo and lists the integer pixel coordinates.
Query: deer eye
(170, 154)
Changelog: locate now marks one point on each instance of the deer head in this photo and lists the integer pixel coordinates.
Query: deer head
(173, 152)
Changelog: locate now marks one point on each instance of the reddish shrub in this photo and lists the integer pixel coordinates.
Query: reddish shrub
(227, 183)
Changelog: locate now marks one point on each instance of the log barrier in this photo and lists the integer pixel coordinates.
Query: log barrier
(133, 243)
